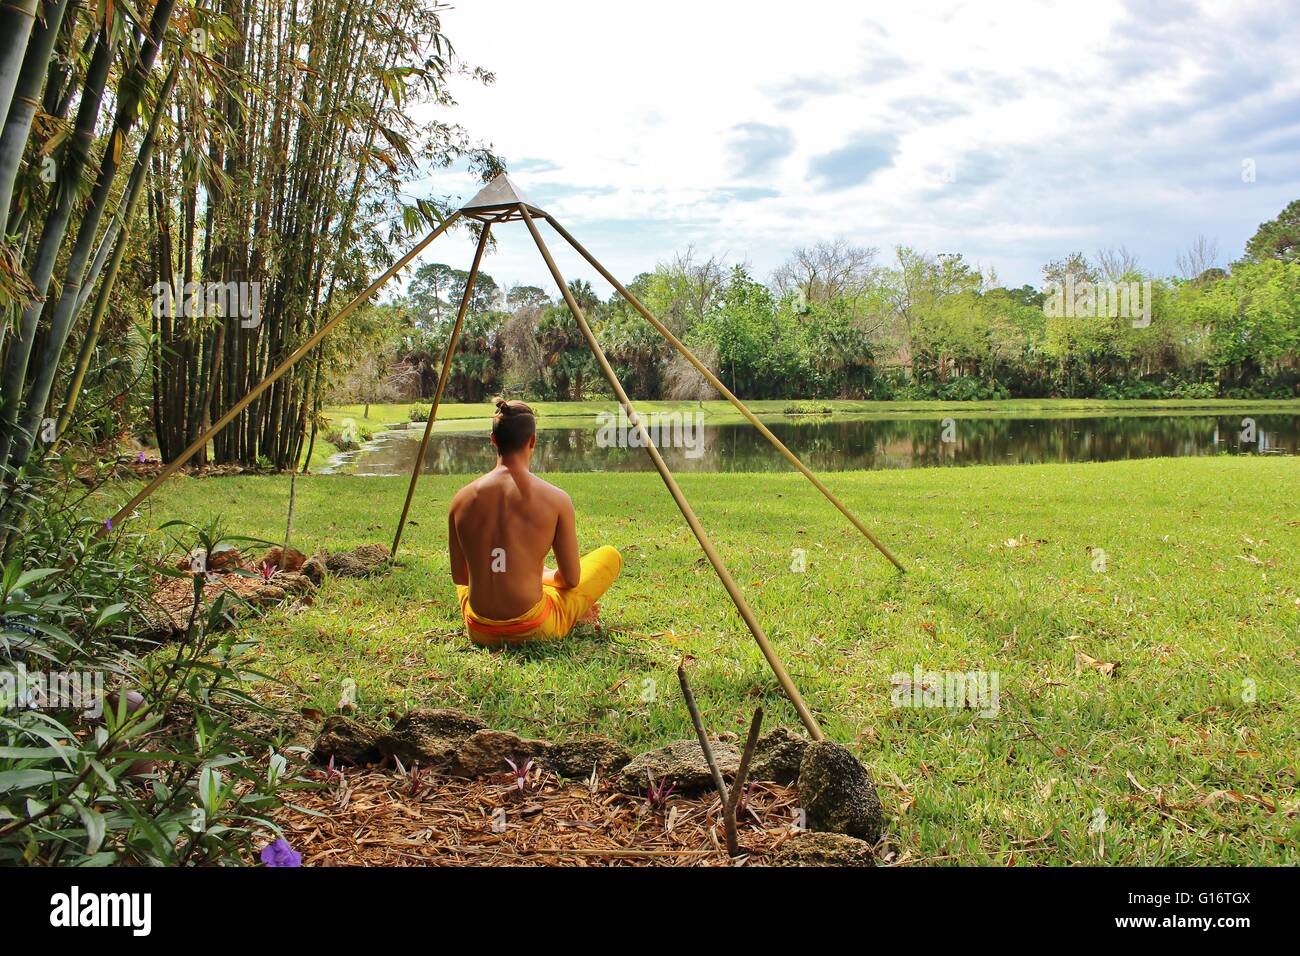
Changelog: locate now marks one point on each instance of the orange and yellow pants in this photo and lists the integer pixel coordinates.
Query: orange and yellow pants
(555, 614)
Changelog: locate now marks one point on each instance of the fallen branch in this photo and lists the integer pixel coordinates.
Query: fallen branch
(730, 801)
(733, 845)
(738, 785)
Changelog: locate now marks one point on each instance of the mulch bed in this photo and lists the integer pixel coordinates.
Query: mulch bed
(380, 817)
(126, 468)
(173, 601)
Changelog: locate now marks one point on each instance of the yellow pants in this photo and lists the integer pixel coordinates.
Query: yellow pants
(555, 614)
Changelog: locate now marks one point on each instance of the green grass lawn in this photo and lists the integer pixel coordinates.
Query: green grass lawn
(1185, 754)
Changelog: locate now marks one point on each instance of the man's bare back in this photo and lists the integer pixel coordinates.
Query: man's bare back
(501, 528)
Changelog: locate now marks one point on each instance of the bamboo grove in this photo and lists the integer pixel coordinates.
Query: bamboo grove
(187, 192)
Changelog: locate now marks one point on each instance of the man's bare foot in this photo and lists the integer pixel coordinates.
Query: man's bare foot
(591, 615)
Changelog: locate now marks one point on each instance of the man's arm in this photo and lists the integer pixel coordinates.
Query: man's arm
(565, 546)
(459, 566)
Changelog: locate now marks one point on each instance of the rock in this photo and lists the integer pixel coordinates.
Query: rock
(267, 595)
(824, 849)
(836, 792)
(681, 764)
(372, 554)
(485, 753)
(285, 559)
(429, 735)
(314, 569)
(344, 565)
(295, 583)
(225, 557)
(359, 562)
(777, 756)
(159, 625)
(347, 741)
(577, 757)
(285, 729)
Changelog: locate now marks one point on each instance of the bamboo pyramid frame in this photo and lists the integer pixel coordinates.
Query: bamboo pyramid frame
(499, 202)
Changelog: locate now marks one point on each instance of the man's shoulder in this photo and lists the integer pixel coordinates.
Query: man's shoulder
(466, 493)
(559, 495)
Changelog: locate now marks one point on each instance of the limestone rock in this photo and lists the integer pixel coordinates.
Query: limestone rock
(577, 757)
(485, 753)
(824, 849)
(267, 595)
(286, 559)
(429, 735)
(359, 562)
(836, 792)
(225, 557)
(314, 569)
(294, 582)
(681, 764)
(777, 756)
(347, 741)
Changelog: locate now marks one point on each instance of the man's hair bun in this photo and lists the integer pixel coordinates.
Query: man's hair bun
(507, 406)
(512, 425)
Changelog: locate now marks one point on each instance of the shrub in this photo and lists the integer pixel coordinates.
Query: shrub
(1131, 389)
(807, 408)
(114, 749)
(341, 441)
(1194, 390)
(350, 438)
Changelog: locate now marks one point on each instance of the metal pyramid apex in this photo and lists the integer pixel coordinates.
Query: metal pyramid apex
(498, 193)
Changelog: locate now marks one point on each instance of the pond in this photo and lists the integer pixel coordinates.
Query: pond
(842, 444)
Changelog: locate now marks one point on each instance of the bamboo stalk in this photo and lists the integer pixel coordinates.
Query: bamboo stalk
(130, 90)
(442, 383)
(76, 155)
(123, 231)
(202, 441)
(16, 18)
(713, 380)
(20, 112)
(719, 567)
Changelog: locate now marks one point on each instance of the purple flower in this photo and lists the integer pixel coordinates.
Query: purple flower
(108, 524)
(521, 772)
(280, 853)
(140, 458)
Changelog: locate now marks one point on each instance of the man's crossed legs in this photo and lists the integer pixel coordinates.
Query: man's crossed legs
(555, 614)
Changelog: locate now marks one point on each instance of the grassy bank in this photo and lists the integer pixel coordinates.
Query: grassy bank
(1185, 751)
(722, 412)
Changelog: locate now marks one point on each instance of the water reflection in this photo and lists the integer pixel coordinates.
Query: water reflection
(841, 445)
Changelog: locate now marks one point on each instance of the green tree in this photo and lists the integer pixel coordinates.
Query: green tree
(1278, 238)
(742, 330)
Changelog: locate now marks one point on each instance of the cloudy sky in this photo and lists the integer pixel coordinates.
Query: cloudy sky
(1011, 132)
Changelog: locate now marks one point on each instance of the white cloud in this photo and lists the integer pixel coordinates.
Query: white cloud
(1012, 132)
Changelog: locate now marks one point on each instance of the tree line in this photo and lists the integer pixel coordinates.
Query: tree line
(839, 321)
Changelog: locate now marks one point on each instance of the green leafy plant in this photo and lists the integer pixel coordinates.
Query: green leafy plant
(151, 761)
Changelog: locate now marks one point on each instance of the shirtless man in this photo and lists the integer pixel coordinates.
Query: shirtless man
(500, 529)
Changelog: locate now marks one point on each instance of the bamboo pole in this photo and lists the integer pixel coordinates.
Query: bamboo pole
(713, 380)
(442, 382)
(202, 441)
(688, 513)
